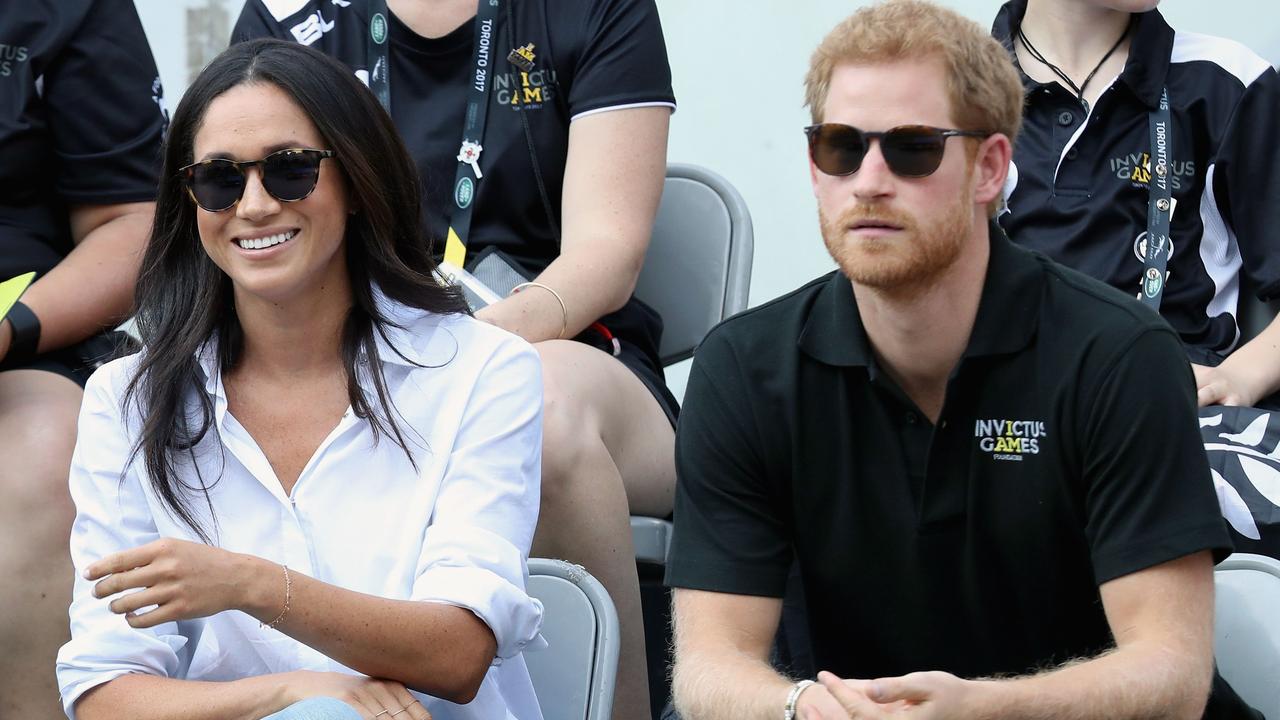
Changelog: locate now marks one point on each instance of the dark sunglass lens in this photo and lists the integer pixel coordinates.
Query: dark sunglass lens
(217, 184)
(291, 175)
(913, 151)
(838, 149)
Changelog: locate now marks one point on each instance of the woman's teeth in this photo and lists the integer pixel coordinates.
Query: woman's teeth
(266, 242)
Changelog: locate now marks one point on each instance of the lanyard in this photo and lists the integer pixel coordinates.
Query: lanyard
(1159, 207)
(478, 93)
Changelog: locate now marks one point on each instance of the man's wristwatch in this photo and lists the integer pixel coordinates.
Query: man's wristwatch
(793, 697)
(26, 335)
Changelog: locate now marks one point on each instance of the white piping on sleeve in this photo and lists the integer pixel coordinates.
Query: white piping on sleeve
(1220, 254)
(623, 107)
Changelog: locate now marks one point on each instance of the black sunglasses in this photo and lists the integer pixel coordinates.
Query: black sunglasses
(288, 175)
(911, 151)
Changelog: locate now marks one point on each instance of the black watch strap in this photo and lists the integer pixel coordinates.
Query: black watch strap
(26, 335)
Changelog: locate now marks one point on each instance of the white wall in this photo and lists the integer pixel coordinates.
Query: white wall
(738, 68)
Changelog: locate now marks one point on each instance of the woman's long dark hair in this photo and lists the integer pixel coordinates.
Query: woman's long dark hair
(183, 299)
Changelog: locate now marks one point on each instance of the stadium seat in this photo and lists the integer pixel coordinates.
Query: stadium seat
(1247, 628)
(696, 273)
(574, 676)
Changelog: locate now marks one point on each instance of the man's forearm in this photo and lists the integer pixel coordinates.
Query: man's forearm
(727, 687)
(1137, 682)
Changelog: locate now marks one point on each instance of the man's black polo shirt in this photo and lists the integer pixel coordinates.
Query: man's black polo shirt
(1067, 454)
(1078, 189)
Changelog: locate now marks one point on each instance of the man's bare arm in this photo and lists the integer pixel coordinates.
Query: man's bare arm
(722, 667)
(1161, 667)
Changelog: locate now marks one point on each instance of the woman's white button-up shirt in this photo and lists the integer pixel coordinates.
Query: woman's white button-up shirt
(468, 399)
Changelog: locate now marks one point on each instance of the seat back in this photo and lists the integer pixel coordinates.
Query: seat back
(698, 268)
(574, 676)
(1246, 627)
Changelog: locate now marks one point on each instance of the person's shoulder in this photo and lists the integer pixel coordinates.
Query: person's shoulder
(767, 327)
(1078, 308)
(1227, 55)
(112, 378)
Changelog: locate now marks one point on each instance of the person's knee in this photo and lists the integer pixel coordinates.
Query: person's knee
(37, 437)
(569, 428)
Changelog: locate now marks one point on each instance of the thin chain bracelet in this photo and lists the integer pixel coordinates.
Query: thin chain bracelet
(288, 594)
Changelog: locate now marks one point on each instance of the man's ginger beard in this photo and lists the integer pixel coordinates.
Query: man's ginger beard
(908, 262)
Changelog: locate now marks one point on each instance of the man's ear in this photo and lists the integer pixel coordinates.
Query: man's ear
(991, 167)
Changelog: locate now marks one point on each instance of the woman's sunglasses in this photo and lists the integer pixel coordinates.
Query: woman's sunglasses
(288, 175)
(912, 151)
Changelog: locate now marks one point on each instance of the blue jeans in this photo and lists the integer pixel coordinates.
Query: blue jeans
(317, 708)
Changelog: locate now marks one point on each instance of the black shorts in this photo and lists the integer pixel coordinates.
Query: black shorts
(642, 367)
(638, 330)
(77, 362)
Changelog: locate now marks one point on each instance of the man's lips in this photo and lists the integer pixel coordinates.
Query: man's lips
(874, 225)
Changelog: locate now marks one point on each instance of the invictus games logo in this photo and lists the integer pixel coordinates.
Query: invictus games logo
(378, 28)
(1009, 439)
(11, 56)
(1136, 168)
(525, 90)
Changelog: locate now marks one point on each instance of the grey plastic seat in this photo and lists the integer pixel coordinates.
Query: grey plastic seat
(696, 273)
(574, 676)
(1246, 628)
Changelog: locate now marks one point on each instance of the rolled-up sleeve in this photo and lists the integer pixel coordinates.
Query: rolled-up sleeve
(112, 514)
(477, 544)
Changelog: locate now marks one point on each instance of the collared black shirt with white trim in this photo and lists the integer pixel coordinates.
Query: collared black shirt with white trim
(81, 122)
(1078, 188)
(1067, 454)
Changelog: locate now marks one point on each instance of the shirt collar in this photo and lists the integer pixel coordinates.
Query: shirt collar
(1008, 311)
(1150, 51)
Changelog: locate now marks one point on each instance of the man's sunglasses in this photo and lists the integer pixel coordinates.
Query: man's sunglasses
(288, 175)
(912, 151)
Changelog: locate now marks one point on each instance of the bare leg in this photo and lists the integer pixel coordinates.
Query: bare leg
(607, 451)
(37, 434)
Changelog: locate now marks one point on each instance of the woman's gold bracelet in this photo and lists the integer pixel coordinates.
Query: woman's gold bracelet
(288, 595)
(564, 311)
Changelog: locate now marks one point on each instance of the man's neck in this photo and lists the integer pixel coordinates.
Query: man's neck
(919, 336)
(1072, 34)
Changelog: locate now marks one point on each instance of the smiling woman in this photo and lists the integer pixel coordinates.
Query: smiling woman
(319, 478)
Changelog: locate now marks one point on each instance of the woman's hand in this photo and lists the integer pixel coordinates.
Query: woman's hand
(373, 699)
(185, 580)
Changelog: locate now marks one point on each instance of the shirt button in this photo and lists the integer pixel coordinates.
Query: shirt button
(1065, 118)
(911, 418)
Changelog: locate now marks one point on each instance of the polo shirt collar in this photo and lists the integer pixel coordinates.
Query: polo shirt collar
(1145, 72)
(1008, 311)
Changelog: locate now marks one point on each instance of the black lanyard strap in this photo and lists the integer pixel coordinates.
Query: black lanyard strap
(478, 93)
(1160, 205)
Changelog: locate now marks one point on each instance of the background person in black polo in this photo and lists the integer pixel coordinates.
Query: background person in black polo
(1079, 192)
(986, 464)
(80, 129)
(597, 101)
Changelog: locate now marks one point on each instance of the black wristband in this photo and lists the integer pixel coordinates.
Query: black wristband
(26, 335)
